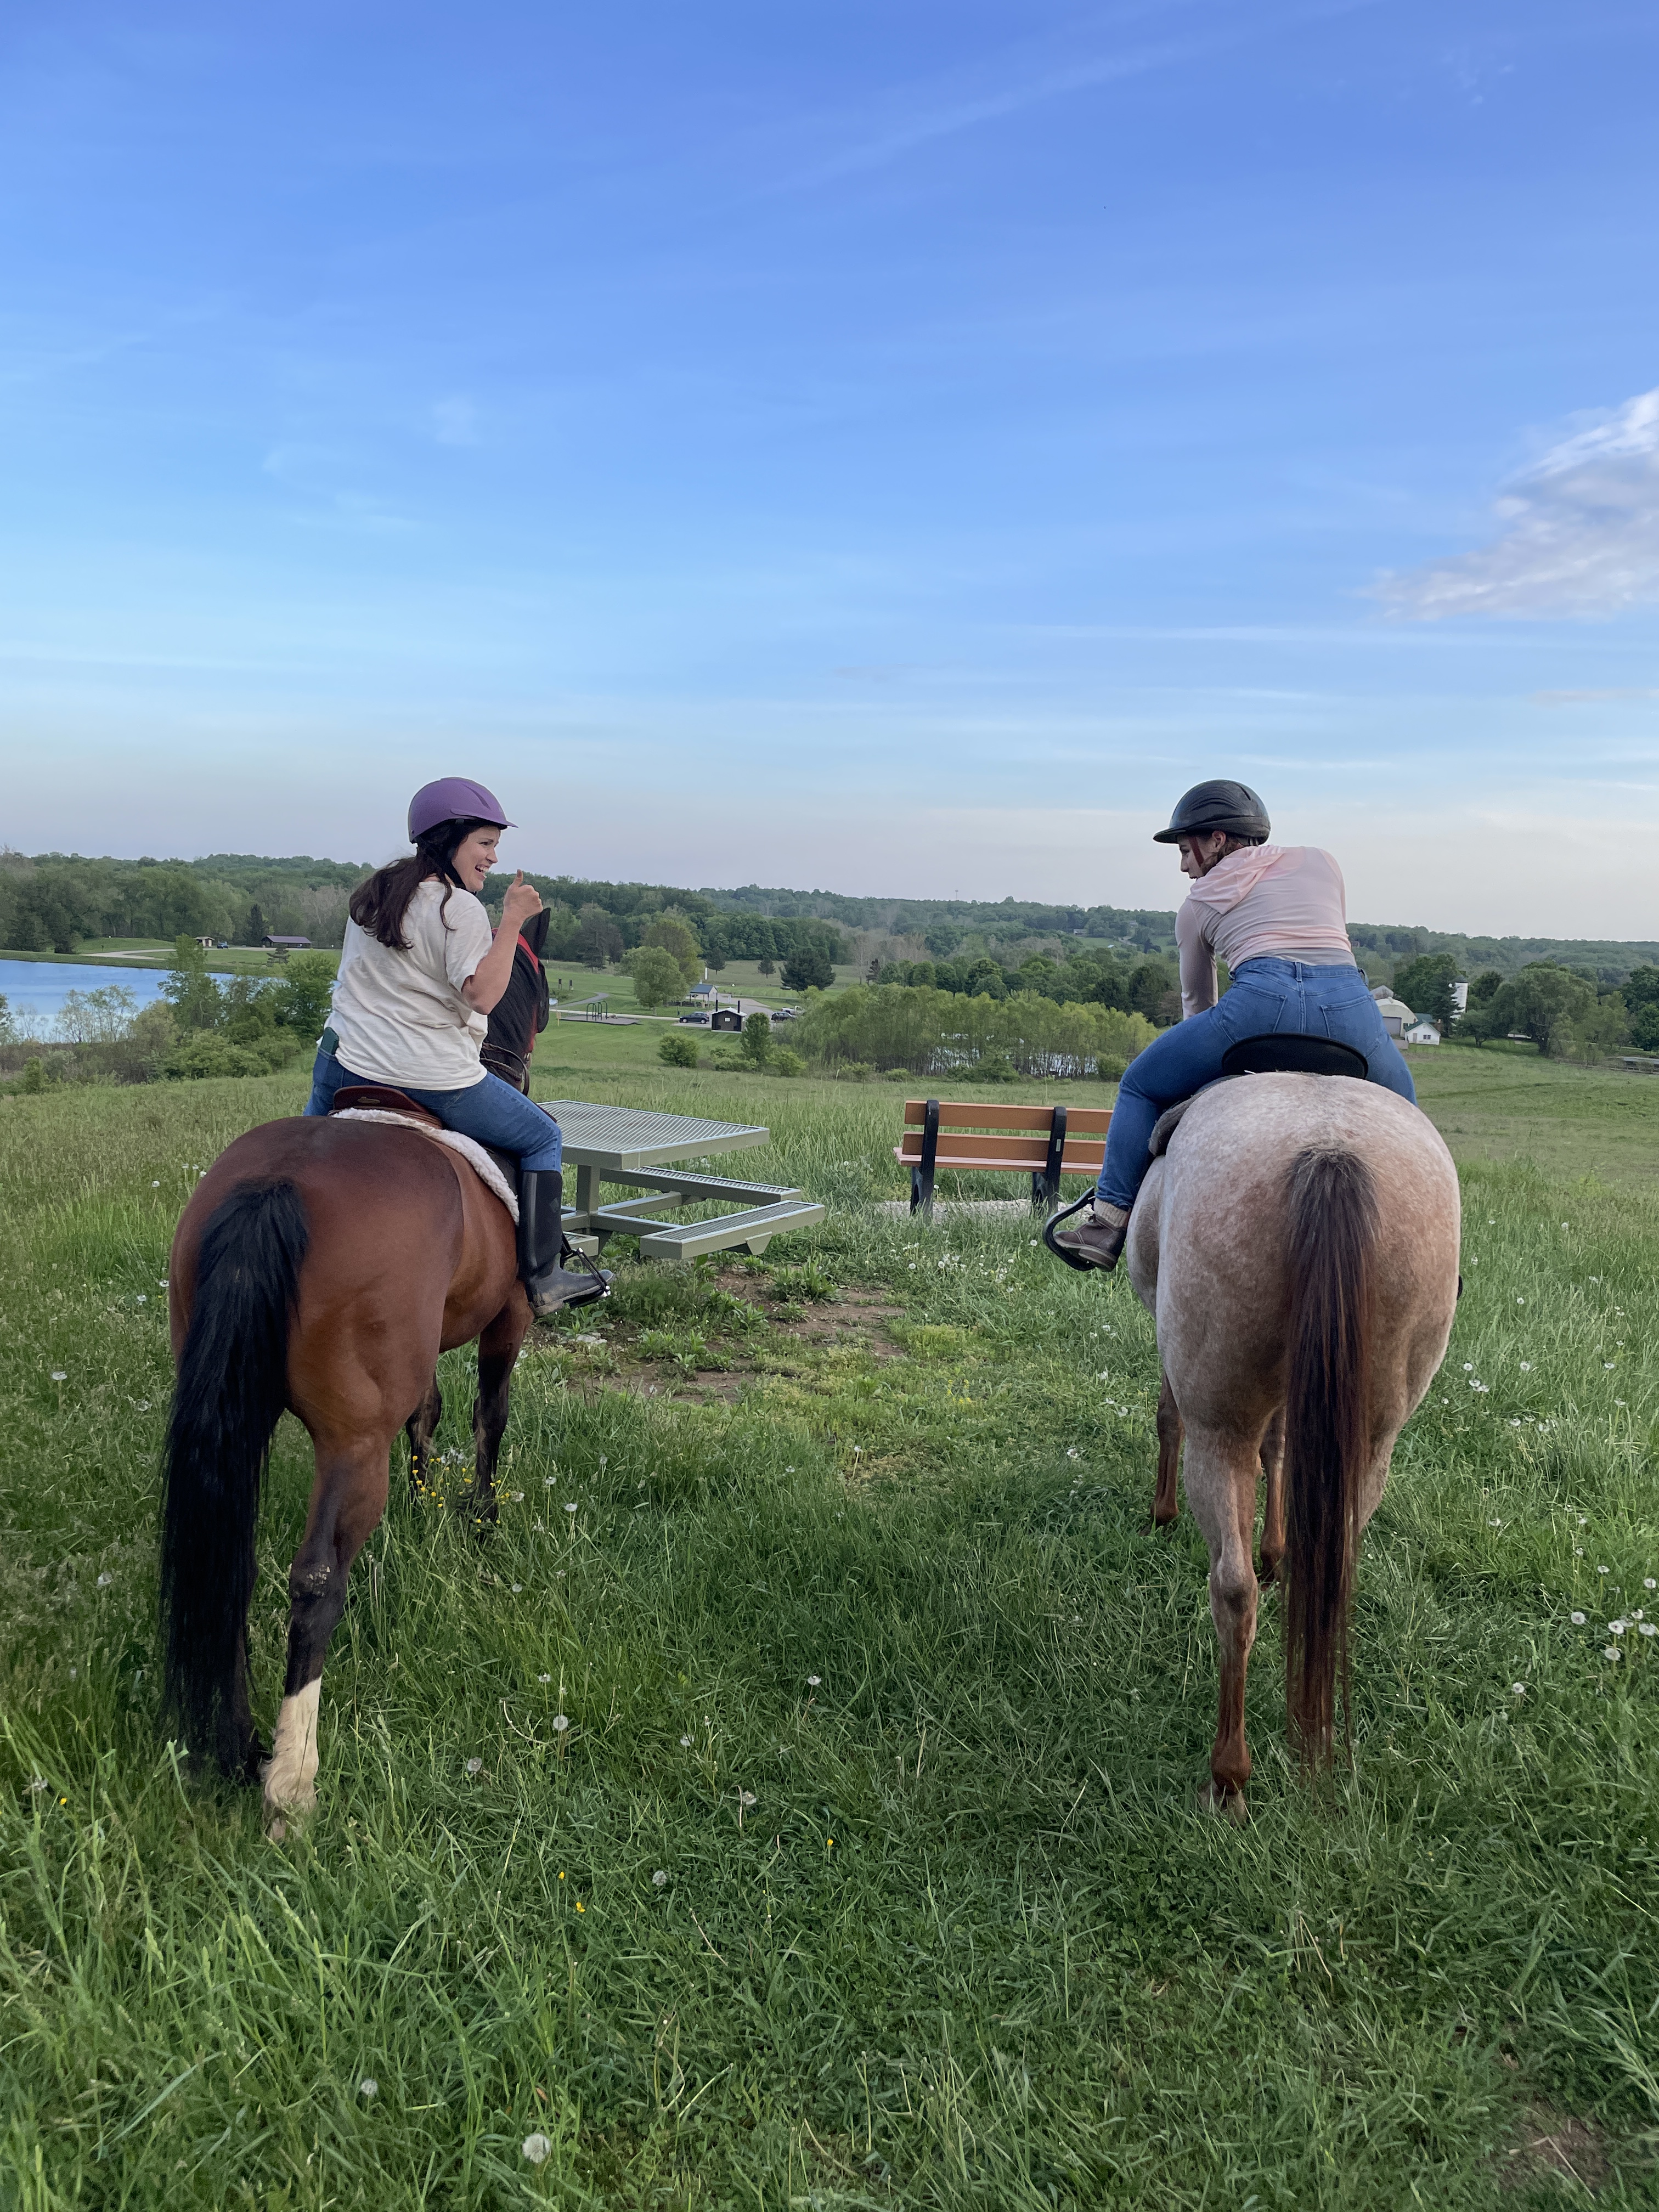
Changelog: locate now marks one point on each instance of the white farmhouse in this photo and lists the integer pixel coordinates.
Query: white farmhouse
(1420, 1032)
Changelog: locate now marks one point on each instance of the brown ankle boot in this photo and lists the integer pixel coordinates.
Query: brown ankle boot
(1095, 1237)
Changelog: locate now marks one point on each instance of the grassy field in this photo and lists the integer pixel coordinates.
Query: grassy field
(869, 1871)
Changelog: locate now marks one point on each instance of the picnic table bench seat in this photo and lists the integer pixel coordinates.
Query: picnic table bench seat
(1047, 1142)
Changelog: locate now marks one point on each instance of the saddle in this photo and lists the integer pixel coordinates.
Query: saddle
(382, 1098)
(1290, 1053)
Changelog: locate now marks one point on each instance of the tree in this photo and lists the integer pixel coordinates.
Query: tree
(256, 925)
(809, 967)
(1426, 985)
(757, 1040)
(674, 937)
(1545, 1003)
(767, 968)
(301, 1000)
(985, 980)
(1155, 992)
(196, 1001)
(1486, 988)
(598, 938)
(656, 975)
(1640, 994)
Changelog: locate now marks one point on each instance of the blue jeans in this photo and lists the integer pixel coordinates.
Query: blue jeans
(491, 1113)
(1267, 995)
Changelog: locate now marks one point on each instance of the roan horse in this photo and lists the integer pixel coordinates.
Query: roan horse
(321, 1266)
(1298, 1246)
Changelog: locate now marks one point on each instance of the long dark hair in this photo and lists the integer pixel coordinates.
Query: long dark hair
(380, 905)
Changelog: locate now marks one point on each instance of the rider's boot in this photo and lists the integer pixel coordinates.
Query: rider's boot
(550, 1285)
(1098, 1235)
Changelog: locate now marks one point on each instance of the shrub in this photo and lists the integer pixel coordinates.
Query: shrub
(784, 1062)
(895, 1075)
(679, 1051)
(855, 1071)
(203, 1055)
(34, 1078)
(757, 1040)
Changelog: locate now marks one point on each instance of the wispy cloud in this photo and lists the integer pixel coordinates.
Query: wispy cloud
(1593, 698)
(1579, 533)
(942, 112)
(455, 422)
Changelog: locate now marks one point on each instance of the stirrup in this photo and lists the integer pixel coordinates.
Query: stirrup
(1072, 1259)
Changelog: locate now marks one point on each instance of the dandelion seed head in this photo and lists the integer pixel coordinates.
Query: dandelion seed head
(746, 1797)
(660, 1878)
(105, 1579)
(1576, 1618)
(1612, 1651)
(369, 2088)
(560, 1723)
(1648, 1628)
(685, 1744)
(1517, 1689)
(474, 1766)
(537, 2149)
(812, 1681)
(543, 1678)
(58, 1376)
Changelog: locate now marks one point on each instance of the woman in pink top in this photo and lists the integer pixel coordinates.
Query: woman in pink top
(1276, 915)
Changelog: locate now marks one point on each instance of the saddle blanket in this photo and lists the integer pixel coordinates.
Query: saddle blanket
(474, 1154)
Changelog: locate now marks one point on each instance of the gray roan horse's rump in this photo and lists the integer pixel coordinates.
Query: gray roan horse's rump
(1298, 1246)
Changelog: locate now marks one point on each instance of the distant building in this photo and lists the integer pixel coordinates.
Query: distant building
(1397, 1016)
(1421, 1033)
(1460, 991)
(286, 943)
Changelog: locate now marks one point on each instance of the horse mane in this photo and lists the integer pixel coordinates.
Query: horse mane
(1334, 1222)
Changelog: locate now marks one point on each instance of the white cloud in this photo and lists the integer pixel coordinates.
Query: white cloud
(455, 422)
(1579, 535)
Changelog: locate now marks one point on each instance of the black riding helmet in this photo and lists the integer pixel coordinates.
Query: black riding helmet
(1219, 804)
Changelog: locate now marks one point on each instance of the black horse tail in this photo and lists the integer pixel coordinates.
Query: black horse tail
(1333, 1229)
(231, 1390)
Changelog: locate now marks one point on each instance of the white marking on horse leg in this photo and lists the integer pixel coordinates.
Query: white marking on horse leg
(291, 1769)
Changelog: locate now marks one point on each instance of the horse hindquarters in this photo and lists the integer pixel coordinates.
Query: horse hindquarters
(230, 1391)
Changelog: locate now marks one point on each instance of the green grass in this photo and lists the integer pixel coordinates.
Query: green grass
(915, 1464)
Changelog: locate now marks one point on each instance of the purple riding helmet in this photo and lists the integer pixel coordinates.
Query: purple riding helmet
(453, 798)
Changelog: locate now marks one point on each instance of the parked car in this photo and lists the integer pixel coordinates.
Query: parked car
(786, 1014)
(694, 1021)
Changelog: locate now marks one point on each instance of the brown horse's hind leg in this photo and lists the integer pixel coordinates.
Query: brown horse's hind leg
(421, 1428)
(1272, 1513)
(1221, 1480)
(346, 1504)
(498, 1353)
(1166, 1502)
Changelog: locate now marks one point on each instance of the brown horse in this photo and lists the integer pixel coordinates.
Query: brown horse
(1298, 1246)
(320, 1266)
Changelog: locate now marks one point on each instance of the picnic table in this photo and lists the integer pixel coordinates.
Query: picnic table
(624, 1144)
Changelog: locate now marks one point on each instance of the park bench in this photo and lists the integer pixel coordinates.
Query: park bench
(1046, 1141)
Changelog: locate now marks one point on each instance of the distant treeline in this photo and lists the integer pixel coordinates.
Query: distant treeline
(53, 902)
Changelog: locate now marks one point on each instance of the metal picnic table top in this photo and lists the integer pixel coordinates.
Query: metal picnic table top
(627, 1145)
(624, 1136)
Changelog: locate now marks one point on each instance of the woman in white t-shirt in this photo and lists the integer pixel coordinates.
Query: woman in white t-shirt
(419, 973)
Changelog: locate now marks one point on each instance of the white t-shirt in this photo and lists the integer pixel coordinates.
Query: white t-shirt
(400, 1016)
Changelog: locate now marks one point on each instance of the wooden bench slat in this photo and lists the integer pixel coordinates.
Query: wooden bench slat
(1010, 1151)
(1080, 1159)
(1089, 1120)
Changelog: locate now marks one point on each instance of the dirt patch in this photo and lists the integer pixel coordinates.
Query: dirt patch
(1555, 2143)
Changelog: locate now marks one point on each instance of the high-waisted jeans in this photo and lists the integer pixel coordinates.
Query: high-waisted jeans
(1267, 996)
(491, 1113)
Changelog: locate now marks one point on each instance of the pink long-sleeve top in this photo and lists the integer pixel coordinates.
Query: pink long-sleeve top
(1264, 902)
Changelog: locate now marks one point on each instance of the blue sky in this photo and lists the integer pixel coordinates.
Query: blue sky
(891, 447)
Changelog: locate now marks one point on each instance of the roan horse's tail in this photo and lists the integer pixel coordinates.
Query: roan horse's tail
(231, 1388)
(1334, 1226)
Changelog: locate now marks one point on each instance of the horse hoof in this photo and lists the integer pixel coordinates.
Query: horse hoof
(1227, 1804)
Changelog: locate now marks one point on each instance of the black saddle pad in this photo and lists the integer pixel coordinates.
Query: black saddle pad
(1290, 1053)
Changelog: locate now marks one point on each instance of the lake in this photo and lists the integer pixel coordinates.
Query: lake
(35, 990)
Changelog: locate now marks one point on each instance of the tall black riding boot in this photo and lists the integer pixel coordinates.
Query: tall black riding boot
(543, 1250)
